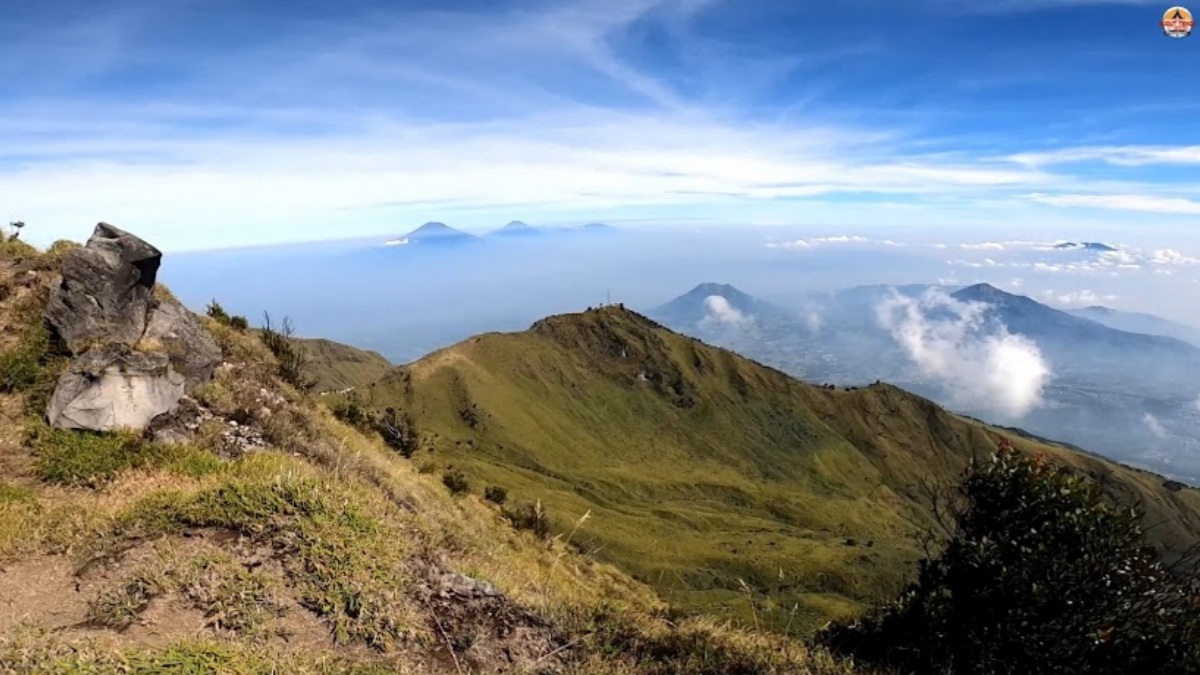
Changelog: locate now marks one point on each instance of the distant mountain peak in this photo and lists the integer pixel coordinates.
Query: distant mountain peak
(712, 288)
(694, 305)
(984, 290)
(989, 294)
(1085, 245)
(433, 227)
(436, 231)
(516, 228)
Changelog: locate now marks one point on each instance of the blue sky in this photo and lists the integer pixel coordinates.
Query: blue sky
(216, 123)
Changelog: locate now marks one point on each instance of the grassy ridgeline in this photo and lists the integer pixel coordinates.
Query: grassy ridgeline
(323, 553)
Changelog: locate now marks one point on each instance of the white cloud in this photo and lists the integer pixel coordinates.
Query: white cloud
(1172, 257)
(1074, 299)
(1121, 202)
(721, 312)
(1129, 155)
(527, 134)
(812, 318)
(1001, 372)
(842, 239)
(1154, 425)
(1196, 404)
(802, 244)
(985, 246)
(799, 244)
(396, 242)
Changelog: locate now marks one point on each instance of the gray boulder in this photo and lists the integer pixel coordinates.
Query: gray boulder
(174, 330)
(112, 387)
(135, 355)
(107, 290)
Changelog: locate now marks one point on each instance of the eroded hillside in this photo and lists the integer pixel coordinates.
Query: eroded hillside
(715, 479)
(248, 531)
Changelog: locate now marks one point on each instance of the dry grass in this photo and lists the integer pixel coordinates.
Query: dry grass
(327, 522)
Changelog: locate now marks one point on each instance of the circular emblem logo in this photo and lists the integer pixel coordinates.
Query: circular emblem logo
(1177, 22)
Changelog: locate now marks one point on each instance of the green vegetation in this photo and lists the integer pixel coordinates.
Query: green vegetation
(30, 366)
(35, 654)
(292, 359)
(495, 494)
(215, 311)
(456, 482)
(347, 563)
(731, 488)
(1040, 575)
(84, 458)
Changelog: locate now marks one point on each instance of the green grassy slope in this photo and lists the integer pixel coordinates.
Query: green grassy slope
(323, 553)
(702, 470)
(336, 366)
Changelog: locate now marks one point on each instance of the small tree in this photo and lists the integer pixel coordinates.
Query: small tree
(399, 431)
(293, 360)
(1040, 575)
(216, 311)
(495, 493)
(456, 481)
(16, 227)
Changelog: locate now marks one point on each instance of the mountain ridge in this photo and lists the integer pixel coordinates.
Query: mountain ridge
(653, 433)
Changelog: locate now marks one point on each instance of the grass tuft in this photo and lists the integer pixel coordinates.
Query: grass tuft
(69, 457)
(344, 558)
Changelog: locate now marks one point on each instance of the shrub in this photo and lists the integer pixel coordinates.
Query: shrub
(293, 360)
(399, 431)
(530, 517)
(1039, 575)
(495, 494)
(351, 411)
(32, 366)
(456, 481)
(239, 323)
(216, 311)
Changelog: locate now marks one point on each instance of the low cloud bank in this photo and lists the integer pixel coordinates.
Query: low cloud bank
(720, 312)
(984, 367)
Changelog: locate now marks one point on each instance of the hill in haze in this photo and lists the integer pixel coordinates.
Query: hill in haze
(1085, 246)
(1127, 395)
(714, 304)
(435, 234)
(516, 229)
(1139, 322)
(698, 470)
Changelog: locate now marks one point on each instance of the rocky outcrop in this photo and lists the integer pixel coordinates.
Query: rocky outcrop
(107, 290)
(176, 331)
(134, 354)
(113, 387)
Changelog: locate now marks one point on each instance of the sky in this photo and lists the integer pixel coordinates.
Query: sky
(206, 124)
